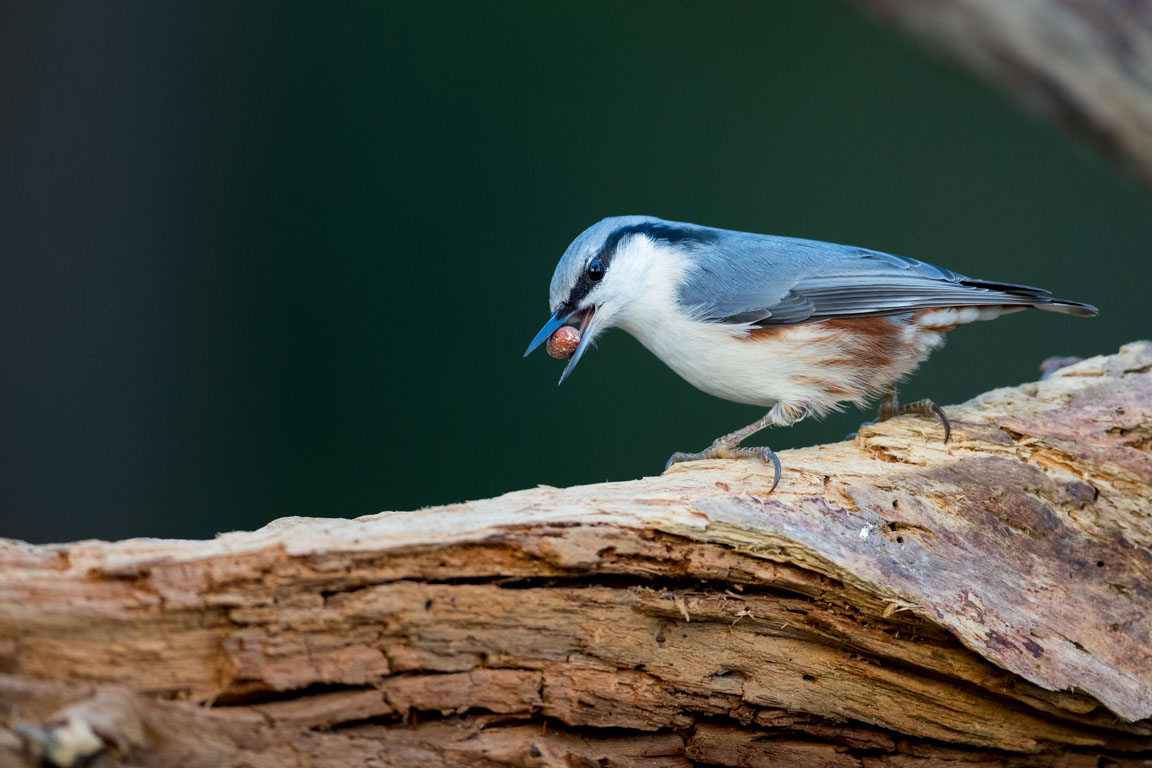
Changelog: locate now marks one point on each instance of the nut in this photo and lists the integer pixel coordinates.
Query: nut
(563, 342)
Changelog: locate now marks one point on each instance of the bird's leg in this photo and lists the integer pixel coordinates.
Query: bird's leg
(728, 446)
(888, 405)
(890, 408)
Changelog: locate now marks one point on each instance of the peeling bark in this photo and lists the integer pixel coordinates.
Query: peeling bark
(1086, 64)
(896, 602)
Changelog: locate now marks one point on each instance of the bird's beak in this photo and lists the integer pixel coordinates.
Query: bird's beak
(563, 315)
(587, 332)
(558, 319)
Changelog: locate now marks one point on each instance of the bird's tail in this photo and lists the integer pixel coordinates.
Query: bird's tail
(1065, 307)
(1037, 297)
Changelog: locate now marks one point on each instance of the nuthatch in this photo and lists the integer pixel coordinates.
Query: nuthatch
(798, 326)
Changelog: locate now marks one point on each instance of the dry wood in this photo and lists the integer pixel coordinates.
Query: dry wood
(896, 602)
(1084, 63)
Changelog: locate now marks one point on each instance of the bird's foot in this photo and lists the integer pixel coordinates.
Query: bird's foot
(723, 450)
(889, 409)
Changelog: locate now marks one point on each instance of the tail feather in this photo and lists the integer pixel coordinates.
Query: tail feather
(1066, 307)
(1038, 297)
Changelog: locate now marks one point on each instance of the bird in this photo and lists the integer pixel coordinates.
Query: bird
(800, 327)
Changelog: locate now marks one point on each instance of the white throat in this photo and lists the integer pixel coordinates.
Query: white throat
(645, 278)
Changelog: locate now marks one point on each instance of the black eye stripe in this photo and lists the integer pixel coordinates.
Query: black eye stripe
(667, 232)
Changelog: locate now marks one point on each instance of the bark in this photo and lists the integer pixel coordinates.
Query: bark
(1084, 63)
(896, 602)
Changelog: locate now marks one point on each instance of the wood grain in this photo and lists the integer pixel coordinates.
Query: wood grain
(896, 602)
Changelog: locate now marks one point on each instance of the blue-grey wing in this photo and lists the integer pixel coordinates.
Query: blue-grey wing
(765, 280)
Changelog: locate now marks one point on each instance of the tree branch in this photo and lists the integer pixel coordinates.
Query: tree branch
(1085, 63)
(896, 599)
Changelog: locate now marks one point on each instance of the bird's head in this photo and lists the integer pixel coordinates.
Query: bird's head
(614, 271)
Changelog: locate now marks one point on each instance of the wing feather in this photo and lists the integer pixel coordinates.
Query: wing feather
(764, 280)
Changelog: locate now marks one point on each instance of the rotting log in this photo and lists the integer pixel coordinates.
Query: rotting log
(896, 602)
(1084, 63)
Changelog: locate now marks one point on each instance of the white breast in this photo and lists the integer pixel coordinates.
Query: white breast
(817, 366)
(716, 359)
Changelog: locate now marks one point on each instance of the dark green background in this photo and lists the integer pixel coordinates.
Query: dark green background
(260, 260)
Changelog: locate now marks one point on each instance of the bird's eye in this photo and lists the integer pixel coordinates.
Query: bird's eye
(596, 270)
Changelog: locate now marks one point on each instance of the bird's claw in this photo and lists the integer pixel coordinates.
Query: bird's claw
(717, 450)
(723, 451)
(929, 409)
(938, 411)
(681, 456)
(889, 409)
(765, 454)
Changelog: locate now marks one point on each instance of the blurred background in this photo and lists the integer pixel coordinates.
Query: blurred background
(259, 260)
